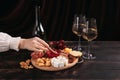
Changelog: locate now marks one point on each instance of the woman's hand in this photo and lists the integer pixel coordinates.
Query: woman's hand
(34, 44)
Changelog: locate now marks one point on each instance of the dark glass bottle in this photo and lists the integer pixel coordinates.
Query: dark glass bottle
(38, 28)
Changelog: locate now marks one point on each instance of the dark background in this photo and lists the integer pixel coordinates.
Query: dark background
(17, 17)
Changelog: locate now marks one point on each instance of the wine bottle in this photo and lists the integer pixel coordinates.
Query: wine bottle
(38, 27)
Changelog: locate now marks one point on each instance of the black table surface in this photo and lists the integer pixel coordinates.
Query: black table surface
(106, 66)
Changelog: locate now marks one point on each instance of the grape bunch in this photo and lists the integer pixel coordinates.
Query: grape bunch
(55, 45)
(49, 54)
(36, 55)
(58, 44)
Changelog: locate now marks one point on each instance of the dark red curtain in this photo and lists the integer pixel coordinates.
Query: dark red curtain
(17, 17)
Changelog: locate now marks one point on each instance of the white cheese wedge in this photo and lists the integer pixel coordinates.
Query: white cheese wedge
(59, 61)
(61, 64)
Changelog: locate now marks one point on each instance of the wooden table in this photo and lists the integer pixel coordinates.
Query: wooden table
(105, 66)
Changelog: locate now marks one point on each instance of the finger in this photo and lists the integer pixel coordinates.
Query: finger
(38, 43)
(41, 47)
(37, 50)
(45, 44)
(42, 42)
(52, 50)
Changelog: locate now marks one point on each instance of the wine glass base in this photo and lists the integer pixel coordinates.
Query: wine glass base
(81, 60)
(89, 57)
(78, 49)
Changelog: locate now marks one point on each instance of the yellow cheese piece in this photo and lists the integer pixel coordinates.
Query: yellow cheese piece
(76, 53)
(67, 50)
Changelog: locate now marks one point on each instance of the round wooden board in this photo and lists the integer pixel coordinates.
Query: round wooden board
(51, 68)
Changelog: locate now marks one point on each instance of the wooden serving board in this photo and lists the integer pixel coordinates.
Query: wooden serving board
(51, 68)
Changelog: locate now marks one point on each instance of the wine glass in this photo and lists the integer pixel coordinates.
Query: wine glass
(90, 33)
(78, 26)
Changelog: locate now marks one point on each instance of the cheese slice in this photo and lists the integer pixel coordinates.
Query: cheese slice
(76, 53)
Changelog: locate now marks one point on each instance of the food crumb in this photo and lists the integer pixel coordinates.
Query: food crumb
(26, 64)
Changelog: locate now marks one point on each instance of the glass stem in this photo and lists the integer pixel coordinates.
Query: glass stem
(79, 44)
(89, 46)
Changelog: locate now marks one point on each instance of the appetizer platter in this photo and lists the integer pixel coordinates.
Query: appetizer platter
(64, 58)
